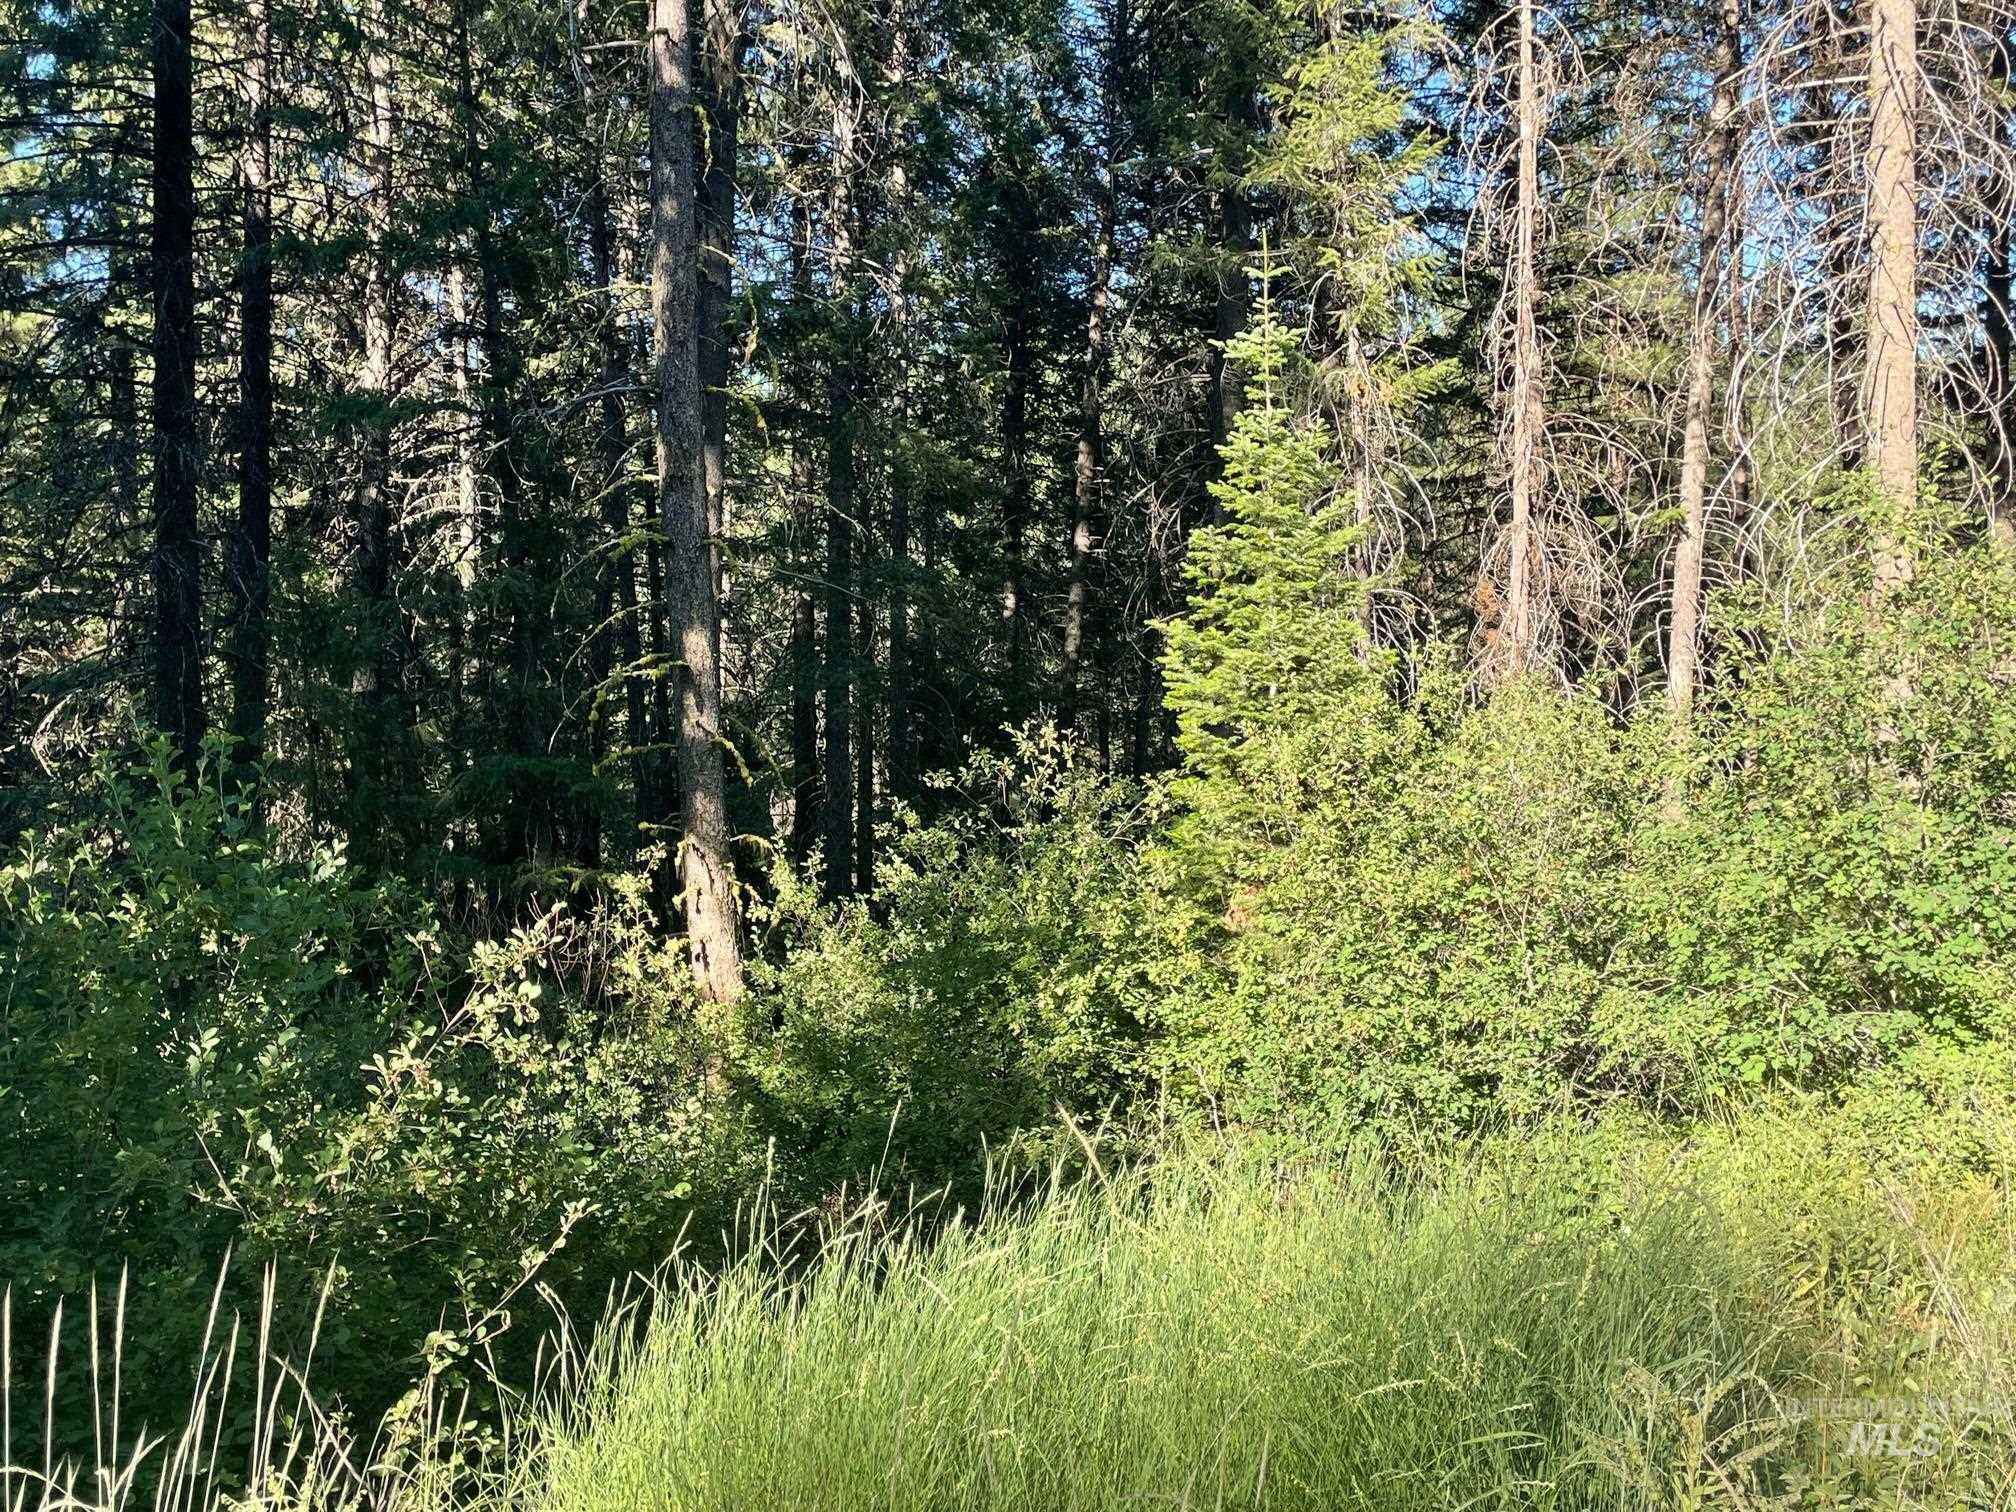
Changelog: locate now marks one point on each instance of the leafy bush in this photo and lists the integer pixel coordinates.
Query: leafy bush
(1837, 899)
(213, 1049)
(1433, 913)
(984, 987)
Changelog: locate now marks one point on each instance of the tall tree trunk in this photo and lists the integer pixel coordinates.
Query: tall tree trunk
(1147, 751)
(122, 396)
(10, 693)
(526, 829)
(1365, 443)
(251, 547)
(1020, 359)
(1998, 346)
(1519, 624)
(660, 794)
(1234, 307)
(659, 652)
(1999, 395)
(1086, 480)
(1684, 632)
(375, 678)
(933, 740)
(721, 107)
(706, 869)
(900, 762)
(804, 729)
(902, 747)
(616, 632)
(840, 507)
(722, 42)
(864, 737)
(806, 791)
(178, 587)
(1844, 387)
(1735, 424)
(1890, 382)
(467, 523)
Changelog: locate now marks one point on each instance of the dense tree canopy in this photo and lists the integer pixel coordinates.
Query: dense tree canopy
(1581, 290)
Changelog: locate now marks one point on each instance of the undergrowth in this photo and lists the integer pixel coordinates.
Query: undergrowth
(1600, 1315)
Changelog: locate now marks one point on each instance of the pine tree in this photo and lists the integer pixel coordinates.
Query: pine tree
(1274, 635)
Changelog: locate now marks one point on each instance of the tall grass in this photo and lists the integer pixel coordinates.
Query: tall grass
(1533, 1326)
(1218, 1335)
(229, 1434)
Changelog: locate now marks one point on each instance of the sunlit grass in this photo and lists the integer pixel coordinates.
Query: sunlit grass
(1525, 1325)
(1221, 1335)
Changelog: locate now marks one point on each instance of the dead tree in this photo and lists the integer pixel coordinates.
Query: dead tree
(1711, 276)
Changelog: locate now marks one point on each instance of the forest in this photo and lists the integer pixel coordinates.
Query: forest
(1024, 754)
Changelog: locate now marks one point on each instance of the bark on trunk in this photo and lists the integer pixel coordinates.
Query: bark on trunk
(864, 743)
(616, 632)
(1998, 345)
(1890, 383)
(1684, 630)
(178, 593)
(526, 831)
(375, 678)
(1844, 389)
(1998, 348)
(467, 526)
(721, 107)
(1234, 308)
(934, 731)
(1086, 476)
(1735, 427)
(705, 866)
(10, 693)
(840, 506)
(806, 791)
(1147, 753)
(900, 761)
(660, 793)
(1519, 623)
(804, 730)
(252, 536)
(1020, 361)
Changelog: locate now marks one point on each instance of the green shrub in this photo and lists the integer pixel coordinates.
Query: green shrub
(1837, 899)
(210, 1049)
(983, 988)
(1437, 913)
(1434, 913)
